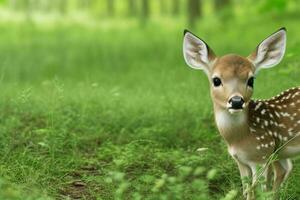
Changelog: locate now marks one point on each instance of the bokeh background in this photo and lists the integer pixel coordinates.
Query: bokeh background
(97, 103)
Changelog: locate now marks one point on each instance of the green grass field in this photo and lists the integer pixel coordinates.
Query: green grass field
(115, 113)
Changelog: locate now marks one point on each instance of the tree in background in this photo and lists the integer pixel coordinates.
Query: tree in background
(222, 8)
(141, 9)
(220, 4)
(111, 7)
(84, 4)
(163, 6)
(145, 10)
(194, 11)
(175, 7)
(27, 6)
(132, 9)
(63, 4)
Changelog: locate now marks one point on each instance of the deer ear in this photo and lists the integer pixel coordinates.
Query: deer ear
(197, 53)
(270, 51)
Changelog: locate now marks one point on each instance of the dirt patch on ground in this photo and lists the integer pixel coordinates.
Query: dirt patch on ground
(78, 188)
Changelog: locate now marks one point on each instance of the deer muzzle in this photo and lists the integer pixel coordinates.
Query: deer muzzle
(236, 103)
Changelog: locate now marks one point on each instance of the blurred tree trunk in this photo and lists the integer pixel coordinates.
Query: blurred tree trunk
(145, 9)
(176, 7)
(63, 4)
(111, 7)
(220, 4)
(222, 9)
(162, 6)
(45, 5)
(84, 4)
(132, 7)
(28, 9)
(194, 11)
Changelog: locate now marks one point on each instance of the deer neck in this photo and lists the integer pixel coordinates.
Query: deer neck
(232, 127)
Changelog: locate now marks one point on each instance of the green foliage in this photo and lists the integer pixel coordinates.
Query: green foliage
(232, 194)
(274, 5)
(9, 191)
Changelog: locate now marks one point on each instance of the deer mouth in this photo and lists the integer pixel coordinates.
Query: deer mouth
(233, 110)
(236, 104)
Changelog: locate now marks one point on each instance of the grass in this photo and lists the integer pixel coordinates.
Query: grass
(97, 113)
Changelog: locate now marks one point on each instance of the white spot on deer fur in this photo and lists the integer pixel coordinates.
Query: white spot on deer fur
(275, 134)
(266, 123)
(270, 133)
(277, 114)
(282, 125)
(271, 116)
(264, 157)
(272, 105)
(285, 114)
(252, 130)
(262, 137)
(258, 147)
(279, 107)
(272, 143)
(258, 105)
(298, 121)
(257, 119)
(263, 111)
(284, 106)
(258, 138)
(292, 104)
(285, 138)
(280, 137)
(295, 124)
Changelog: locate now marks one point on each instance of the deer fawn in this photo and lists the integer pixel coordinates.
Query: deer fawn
(252, 129)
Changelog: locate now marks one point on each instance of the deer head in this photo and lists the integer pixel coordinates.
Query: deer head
(232, 76)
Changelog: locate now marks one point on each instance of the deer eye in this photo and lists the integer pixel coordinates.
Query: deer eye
(250, 82)
(217, 81)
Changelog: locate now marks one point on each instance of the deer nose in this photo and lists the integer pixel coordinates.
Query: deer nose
(236, 102)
